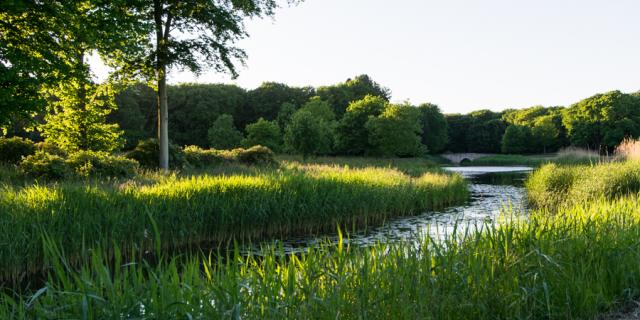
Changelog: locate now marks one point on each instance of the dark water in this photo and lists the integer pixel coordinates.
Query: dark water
(491, 190)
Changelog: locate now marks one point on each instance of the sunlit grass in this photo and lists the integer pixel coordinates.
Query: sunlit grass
(205, 209)
(553, 185)
(576, 264)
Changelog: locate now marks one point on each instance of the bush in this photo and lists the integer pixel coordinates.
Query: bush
(101, 164)
(199, 158)
(255, 155)
(45, 165)
(223, 134)
(147, 153)
(51, 148)
(12, 150)
(263, 133)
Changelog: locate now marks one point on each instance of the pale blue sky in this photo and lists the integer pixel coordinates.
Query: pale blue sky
(460, 54)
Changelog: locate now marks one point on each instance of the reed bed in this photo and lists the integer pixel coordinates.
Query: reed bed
(576, 264)
(191, 211)
(567, 156)
(554, 186)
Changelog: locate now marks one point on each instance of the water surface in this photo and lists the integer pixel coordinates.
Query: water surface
(491, 190)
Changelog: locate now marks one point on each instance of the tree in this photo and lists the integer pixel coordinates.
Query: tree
(194, 107)
(193, 35)
(29, 56)
(485, 130)
(434, 128)
(601, 122)
(308, 134)
(265, 133)
(266, 100)
(544, 132)
(319, 108)
(339, 96)
(457, 127)
(285, 113)
(352, 137)
(396, 132)
(45, 43)
(76, 125)
(516, 139)
(223, 134)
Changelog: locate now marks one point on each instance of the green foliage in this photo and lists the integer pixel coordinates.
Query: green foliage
(223, 134)
(136, 114)
(319, 109)
(101, 164)
(284, 114)
(545, 132)
(194, 108)
(396, 132)
(267, 100)
(339, 96)
(77, 125)
(46, 166)
(202, 158)
(516, 139)
(12, 150)
(485, 132)
(352, 137)
(602, 121)
(256, 155)
(308, 135)
(50, 148)
(265, 133)
(434, 128)
(146, 153)
(457, 129)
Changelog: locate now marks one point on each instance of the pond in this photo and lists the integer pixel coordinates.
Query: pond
(491, 190)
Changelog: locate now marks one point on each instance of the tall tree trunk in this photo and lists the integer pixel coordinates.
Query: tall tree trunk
(163, 118)
(162, 36)
(82, 101)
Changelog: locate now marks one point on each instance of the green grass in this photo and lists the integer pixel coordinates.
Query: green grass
(411, 166)
(576, 264)
(535, 160)
(552, 185)
(204, 209)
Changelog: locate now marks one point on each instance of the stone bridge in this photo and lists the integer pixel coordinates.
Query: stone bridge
(457, 158)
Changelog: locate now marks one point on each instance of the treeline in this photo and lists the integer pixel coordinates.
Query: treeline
(354, 118)
(349, 118)
(597, 123)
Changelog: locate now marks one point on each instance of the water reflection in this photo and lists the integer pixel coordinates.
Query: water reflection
(491, 188)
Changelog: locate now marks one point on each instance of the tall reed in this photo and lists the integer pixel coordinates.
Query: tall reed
(576, 264)
(204, 209)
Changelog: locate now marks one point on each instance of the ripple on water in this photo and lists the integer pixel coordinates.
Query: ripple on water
(491, 191)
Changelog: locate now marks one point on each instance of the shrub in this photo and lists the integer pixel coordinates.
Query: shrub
(12, 150)
(255, 155)
(147, 153)
(199, 158)
(50, 148)
(264, 133)
(45, 165)
(101, 164)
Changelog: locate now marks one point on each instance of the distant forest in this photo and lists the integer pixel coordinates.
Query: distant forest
(355, 118)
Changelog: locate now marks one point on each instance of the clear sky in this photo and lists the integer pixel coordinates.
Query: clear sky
(460, 54)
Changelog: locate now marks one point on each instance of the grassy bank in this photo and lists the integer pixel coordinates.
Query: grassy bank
(410, 166)
(201, 209)
(565, 157)
(576, 264)
(552, 185)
